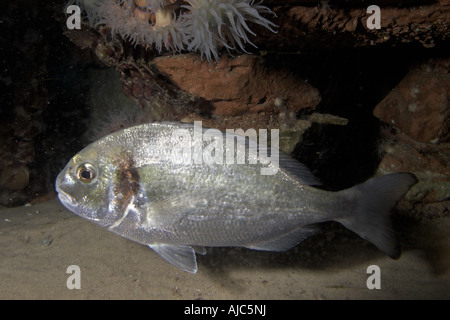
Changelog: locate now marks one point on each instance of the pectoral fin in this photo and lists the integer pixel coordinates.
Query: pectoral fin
(181, 256)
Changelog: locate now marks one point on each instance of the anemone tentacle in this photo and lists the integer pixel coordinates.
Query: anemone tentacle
(195, 25)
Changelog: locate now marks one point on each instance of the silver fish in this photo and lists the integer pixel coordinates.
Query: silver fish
(133, 183)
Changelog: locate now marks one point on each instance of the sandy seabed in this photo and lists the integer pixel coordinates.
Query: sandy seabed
(39, 242)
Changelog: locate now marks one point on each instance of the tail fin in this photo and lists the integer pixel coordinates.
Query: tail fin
(375, 199)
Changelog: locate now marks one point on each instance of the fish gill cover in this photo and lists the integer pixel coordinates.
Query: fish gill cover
(194, 25)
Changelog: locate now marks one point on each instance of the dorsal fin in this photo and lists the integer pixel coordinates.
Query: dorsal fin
(286, 163)
(297, 170)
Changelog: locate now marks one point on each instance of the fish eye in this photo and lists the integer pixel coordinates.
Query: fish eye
(86, 173)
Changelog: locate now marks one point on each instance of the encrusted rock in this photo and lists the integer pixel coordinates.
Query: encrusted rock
(418, 112)
(238, 85)
(429, 162)
(345, 25)
(420, 104)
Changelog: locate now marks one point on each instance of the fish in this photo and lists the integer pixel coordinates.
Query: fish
(179, 188)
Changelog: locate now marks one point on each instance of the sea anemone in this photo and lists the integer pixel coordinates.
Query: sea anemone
(195, 25)
(210, 23)
(159, 28)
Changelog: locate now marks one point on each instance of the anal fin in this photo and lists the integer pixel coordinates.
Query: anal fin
(179, 255)
(287, 241)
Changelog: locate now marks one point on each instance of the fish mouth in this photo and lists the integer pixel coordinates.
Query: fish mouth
(67, 200)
